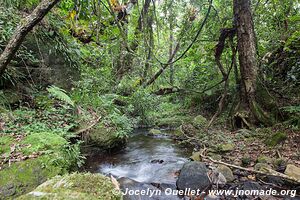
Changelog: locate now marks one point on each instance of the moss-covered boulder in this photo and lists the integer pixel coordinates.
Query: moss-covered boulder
(188, 129)
(22, 177)
(227, 172)
(173, 121)
(226, 147)
(264, 159)
(200, 121)
(75, 186)
(196, 156)
(263, 167)
(275, 139)
(292, 171)
(154, 132)
(106, 137)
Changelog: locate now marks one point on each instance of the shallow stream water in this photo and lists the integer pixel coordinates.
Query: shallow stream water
(148, 159)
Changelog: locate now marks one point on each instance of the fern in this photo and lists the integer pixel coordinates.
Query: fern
(60, 94)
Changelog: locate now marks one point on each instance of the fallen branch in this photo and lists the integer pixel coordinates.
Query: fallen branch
(269, 172)
(89, 127)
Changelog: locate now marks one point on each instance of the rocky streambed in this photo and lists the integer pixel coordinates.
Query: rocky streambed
(154, 166)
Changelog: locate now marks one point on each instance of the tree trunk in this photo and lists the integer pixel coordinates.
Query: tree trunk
(247, 112)
(22, 30)
(128, 57)
(171, 46)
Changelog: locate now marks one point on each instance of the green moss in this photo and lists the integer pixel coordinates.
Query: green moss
(42, 142)
(106, 137)
(264, 159)
(263, 132)
(22, 177)
(200, 121)
(154, 132)
(75, 186)
(174, 121)
(225, 147)
(276, 139)
(5, 142)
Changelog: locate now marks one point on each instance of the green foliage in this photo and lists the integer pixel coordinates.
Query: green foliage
(294, 116)
(5, 142)
(60, 94)
(20, 4)
(276, 138)
(143, 104)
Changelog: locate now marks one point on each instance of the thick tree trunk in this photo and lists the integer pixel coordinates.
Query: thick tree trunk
(22, 30)
(247, 112)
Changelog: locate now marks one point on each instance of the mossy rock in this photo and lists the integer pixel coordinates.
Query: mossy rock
(178, 132)
(75, 186)
(196, 156)
(106, 138)
(262, 167)
(292, 171)
(227, 172)
(264, 159)
(173, 122)
(154, 132)
(223, 148)
(199, 121)
(276, 139)
(22, 177)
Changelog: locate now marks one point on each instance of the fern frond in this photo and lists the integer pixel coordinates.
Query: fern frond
(60, 94)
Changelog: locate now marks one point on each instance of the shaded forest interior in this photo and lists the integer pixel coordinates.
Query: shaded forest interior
(223, 75)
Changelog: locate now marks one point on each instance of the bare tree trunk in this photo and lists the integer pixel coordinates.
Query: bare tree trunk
(247, 112)
(22, 30)
(170, 52)
(149, 46)
(163, 67)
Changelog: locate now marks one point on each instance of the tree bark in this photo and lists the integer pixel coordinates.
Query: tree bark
(22, 30)
(247, 112)
(171, 46)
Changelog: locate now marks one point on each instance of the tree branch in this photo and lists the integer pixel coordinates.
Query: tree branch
(22, 30)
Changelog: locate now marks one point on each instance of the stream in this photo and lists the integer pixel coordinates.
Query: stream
(146, 159)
